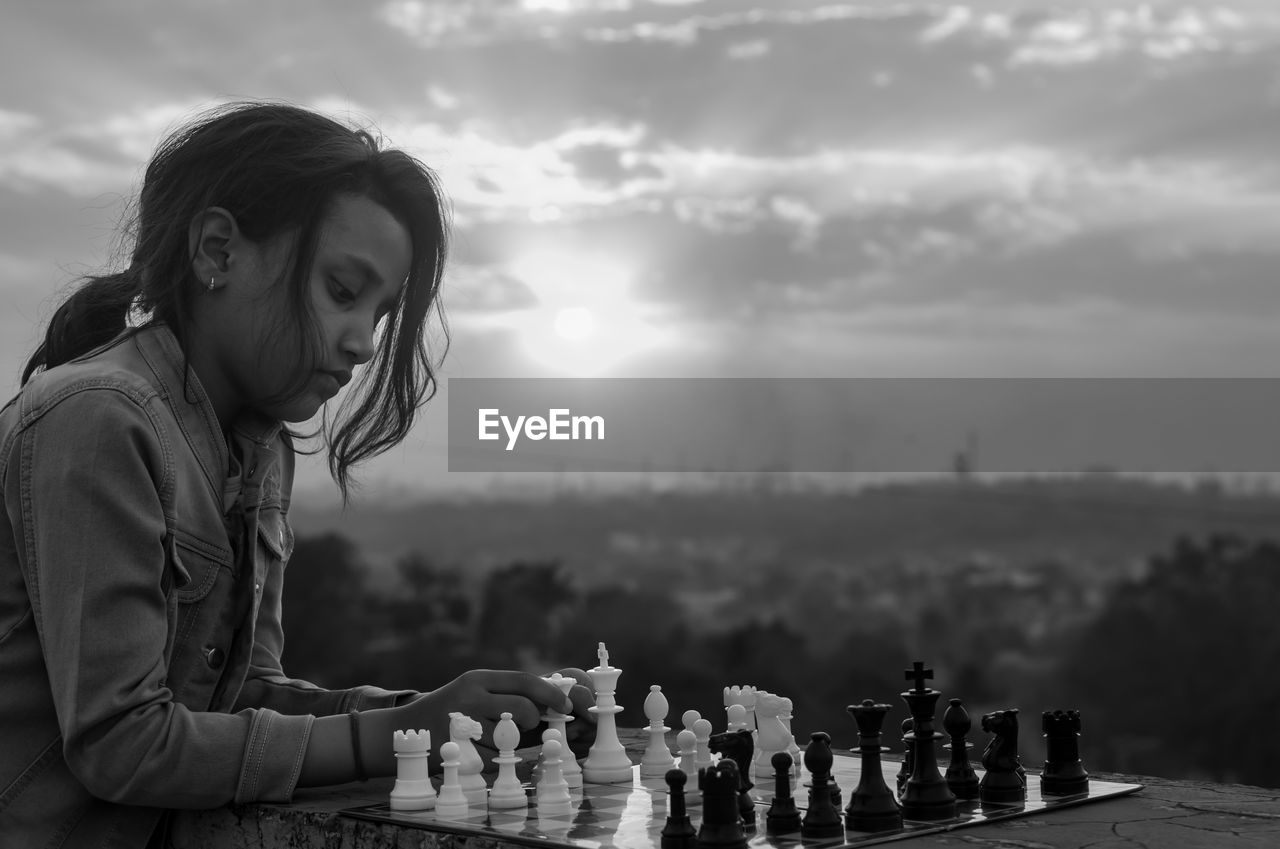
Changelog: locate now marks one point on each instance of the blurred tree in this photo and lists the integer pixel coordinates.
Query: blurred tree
(431, 601)
(1175, 670)
(424, 629)
(324, 607)
(522, 606)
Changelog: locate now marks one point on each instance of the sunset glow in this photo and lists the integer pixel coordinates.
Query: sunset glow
(585, 322)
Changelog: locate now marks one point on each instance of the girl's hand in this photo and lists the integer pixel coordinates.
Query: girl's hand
(484, 695)
(582, 731)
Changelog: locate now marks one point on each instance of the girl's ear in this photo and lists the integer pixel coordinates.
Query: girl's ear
(209, 239)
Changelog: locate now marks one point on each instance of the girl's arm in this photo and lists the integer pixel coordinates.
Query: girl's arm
(482, 694)
(82, 482)
(267, 684)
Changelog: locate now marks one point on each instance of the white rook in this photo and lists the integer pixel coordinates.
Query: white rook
(412, 790)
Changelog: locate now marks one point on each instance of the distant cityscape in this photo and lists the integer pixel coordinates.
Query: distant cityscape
(1024, 593)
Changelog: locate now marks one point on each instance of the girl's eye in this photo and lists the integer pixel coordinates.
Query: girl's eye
(342, 294)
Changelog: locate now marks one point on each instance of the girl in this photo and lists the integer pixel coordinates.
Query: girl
(146, 474)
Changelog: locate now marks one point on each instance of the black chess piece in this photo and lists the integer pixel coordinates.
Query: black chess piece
(1004, 782)
(961, 777)
(872, 806)
(740, 746)
(926, 795)
(721, 826)
(782, 817)
(822, 819)
(908, 750)
(1064, 774)
(678, 832)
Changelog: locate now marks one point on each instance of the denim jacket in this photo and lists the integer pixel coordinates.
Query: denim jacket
(140, 593)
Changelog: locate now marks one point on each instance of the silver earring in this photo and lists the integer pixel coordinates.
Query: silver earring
(210, 286)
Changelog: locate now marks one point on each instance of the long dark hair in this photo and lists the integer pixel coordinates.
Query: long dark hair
(275, 167)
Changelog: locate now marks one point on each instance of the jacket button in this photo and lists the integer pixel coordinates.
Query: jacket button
(215, 657)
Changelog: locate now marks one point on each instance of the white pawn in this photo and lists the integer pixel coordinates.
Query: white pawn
(688, 718)
(742, 695)
(686, 741)
(507, 791)
(462, 730)
(559, 721)
(657, 757)
(737, 718)
(552, 790)
(451, 804)
(702, 738)
(412, 790)
(793, 748)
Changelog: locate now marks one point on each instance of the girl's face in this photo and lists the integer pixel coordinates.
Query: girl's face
(362, 259)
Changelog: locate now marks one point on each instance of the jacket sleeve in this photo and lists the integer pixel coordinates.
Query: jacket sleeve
(83, 488)
(266, 684)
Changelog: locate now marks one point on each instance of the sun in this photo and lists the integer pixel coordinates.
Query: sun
(575, 324)
(585, 322)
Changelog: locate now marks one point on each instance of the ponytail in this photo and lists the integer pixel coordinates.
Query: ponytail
(92, 316)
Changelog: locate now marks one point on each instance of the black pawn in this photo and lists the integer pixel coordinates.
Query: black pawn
(782, 817)
(872, 806)
(1064, 774)
(678, 833)
(961, 777)
(908, 753)
(822, 819)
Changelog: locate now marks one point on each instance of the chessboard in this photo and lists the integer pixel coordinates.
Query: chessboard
(631, 816)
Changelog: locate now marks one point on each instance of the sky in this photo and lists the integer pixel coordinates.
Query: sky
(721, 188)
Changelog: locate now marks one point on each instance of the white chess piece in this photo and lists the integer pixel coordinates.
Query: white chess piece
(702, 736)
(737, 718)
(745, 696)
(607, 761)
(560, 722)
(462, 730)
(793, 748)
(686, 742)
(657, 757)
(552, 790)
(688, 718)
(507, 791)
(412, 790)
(773, 736)
(452, 802)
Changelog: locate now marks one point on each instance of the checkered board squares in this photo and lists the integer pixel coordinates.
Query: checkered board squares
(631, 816)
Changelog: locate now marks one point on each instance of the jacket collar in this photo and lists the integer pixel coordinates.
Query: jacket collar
(190, 403)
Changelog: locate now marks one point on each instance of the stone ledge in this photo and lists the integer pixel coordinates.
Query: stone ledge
(1166, 813)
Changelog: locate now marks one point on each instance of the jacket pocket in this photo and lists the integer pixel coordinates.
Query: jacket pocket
(275, 533)
(203, 621)
(196, 568)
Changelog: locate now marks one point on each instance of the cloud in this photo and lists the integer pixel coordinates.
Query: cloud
(826, 166)
(753, 49)
(485, 289)
(14, 124)
(1066, 37)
